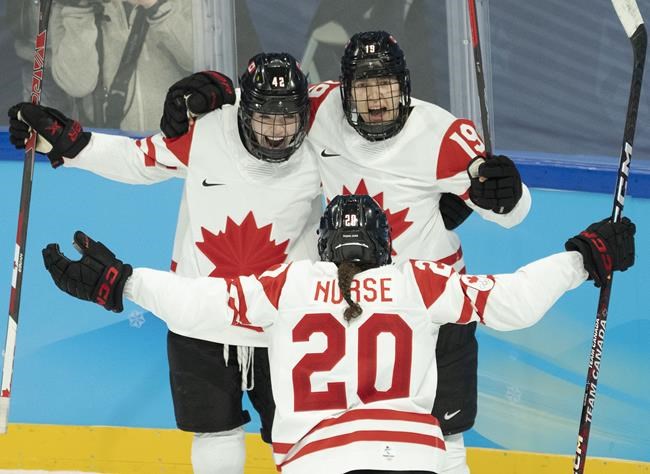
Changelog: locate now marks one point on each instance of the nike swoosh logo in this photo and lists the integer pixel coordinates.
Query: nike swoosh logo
(206, 184)
(449, 416)
(324, 154)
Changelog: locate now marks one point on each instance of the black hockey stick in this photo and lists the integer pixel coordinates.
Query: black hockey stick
(480, 78)
(23, 217)
(629, 15)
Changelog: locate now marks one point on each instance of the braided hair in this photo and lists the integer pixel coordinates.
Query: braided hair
(346, 272)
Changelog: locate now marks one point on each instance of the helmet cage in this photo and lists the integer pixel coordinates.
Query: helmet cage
(275, 88)
(374, 54)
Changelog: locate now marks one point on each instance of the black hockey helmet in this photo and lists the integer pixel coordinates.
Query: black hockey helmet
(274, 87)
(368, 55)
(354, 228)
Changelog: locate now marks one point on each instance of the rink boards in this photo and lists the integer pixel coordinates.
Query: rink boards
(79, 367)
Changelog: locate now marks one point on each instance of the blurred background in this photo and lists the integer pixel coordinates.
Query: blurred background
(558, 76)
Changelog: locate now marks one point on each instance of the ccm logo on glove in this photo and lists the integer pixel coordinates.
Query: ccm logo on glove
(107, 285)
(601, 247)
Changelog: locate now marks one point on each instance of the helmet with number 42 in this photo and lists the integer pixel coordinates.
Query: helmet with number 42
(273, 107)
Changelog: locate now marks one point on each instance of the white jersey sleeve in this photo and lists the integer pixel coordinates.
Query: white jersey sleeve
(229, 311)
(503, 302)
(460, 144)
(134, 161)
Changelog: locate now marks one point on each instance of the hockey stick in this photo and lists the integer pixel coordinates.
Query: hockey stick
(629, 15)
(480, 79)
(23, 217)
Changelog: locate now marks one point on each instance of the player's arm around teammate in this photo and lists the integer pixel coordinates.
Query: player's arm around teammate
(135, 161)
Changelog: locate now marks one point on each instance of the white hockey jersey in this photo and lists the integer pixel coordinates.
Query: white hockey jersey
(405, 174)
(238, 215)
(353, 395)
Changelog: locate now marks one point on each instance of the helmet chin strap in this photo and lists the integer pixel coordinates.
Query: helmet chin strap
(379, 128)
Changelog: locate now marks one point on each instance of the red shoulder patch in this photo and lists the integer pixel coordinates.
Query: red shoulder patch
(273, 280)
(180, 146)
(317, 94)
(431, 278)
(460, 144)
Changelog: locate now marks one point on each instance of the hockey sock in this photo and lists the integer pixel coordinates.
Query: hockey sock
(219, 453)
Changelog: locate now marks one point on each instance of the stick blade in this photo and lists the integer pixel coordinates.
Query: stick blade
(629, 14)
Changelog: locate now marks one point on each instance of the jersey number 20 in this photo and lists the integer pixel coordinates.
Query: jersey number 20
(306, 399)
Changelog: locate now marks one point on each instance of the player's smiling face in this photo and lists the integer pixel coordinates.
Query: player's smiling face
(376, 99)
(275, 131)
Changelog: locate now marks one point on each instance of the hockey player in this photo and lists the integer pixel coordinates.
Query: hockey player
(373, 137)
(351, 339)
(251, 199)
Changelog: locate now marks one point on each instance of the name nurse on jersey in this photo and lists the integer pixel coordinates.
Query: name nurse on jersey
(368, 290)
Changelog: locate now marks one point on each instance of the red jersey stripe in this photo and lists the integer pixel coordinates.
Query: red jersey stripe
(466, 311)
(378, 414)
(371, 414)
(282, 448)
(453, 258)
(240, 318)
(150, 155)
(481, 299)
(370, 435)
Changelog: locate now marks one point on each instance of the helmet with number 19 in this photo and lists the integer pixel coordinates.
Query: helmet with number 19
(375, 85)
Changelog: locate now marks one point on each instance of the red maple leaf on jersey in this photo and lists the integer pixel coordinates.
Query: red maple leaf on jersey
(397, 221)
(243, 249)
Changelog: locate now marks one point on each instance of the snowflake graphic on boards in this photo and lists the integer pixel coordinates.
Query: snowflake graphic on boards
(136, 319)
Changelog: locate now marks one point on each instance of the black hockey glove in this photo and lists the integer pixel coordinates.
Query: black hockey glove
(58, 135)
(201, 92)
(98, 276)
(454, 210)
(605, 247)
(497, 186)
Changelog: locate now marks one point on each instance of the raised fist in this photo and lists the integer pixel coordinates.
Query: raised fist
(58, 135)
(605, 247)
(200, 93)
(495, 184)
(98, 276)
